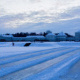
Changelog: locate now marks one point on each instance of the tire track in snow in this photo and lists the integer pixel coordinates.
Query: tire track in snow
(53, 72)
(24, 53)
(26, 56)
(33, 58)
(8, 70)
(19, 75)
(73, 73)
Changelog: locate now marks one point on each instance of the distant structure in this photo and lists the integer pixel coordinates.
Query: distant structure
(6, 37)
(29, 38)
(49, 36)
(77, 36)
(35, 38)
(48, 31)
(61, 37)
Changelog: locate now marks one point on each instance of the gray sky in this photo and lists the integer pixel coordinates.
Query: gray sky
(39, 15)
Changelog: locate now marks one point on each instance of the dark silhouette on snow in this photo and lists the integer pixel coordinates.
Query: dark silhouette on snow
(27, 44)
(12, 43)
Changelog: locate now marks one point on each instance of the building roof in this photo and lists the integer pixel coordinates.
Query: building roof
(48, 31)
(7, 35)
(61, 34)
(50, 34)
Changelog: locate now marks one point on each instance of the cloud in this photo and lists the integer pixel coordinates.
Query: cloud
(72, 13)
(54, 6)
(39, 15)
(35, 0)
(15, 20)
(69, 26)
(2, 12)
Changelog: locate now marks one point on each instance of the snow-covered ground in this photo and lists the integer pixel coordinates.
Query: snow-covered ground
(41, 44)
(40, 61)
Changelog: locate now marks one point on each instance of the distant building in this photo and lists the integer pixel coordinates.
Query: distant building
(19, 38)
(61, 37)
(35, 38)
(48, 31)
(70, 39)
(48, 37)
(51, 37)
(77, 36)
(6, 37)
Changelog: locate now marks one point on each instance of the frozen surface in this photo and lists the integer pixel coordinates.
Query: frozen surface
(8, 51)
(41, 44)
(40, 61)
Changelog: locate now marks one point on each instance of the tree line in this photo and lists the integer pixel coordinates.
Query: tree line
(24, 34)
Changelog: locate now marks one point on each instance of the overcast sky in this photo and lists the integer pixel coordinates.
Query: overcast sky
(39, 16)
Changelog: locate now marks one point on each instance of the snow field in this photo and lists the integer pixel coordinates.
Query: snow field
(41, 44)
(27, 55)
(40, 61)
(20, 59)
(53, 72)
(72, 73)
(14, 51)
(8, 70)
(37, 68)
(22, 66)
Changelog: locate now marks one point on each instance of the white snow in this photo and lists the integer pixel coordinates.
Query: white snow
(8, 70)
(41, 44)
(7, 49)
(38, 53)
(53, 72)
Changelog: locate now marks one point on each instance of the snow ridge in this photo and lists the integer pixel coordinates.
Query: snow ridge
(8, 70)
(29, 55)
(53, 72)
